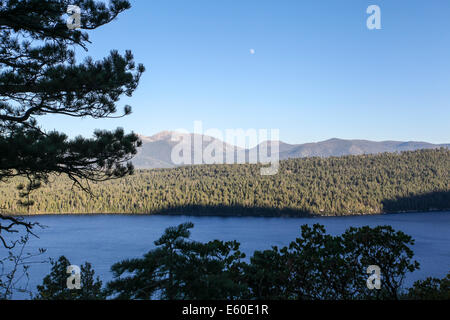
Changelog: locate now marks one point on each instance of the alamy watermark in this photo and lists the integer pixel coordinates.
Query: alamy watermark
(74, 280)
(374, 20)
(74, 20)
(374, 279)
(201, 148)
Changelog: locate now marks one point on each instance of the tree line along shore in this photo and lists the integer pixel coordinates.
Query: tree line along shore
(336, 186)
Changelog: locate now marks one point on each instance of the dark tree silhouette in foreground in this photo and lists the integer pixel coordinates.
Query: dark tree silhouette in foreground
(180, 268)
(315, 266)
(54, 285)
(39, 76)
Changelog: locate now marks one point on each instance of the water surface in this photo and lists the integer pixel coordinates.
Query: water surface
(104, 240)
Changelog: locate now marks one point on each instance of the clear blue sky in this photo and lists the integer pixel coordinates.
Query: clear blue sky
(317, 71)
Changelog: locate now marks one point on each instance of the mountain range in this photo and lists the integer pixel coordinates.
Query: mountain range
(156, 151)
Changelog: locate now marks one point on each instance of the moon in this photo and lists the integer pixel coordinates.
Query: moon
(252, 51)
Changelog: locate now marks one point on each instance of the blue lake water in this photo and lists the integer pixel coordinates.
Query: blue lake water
(104, 240)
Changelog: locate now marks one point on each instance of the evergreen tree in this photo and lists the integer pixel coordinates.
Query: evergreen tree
(319, 266)
(430, 289)
(315, 266)
(180, 269)
(39, 75)
(54, 285)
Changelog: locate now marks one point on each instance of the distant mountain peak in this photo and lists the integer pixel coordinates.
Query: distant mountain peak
(156, 149)
(163, 135)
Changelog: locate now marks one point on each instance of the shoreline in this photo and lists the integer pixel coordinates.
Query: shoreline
(225, 215)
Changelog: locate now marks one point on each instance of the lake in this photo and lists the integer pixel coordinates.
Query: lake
(104, 240)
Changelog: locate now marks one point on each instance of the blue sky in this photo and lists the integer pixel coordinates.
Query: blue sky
(317, 71)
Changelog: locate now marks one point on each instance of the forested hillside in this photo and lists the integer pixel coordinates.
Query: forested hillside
(389, 182)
